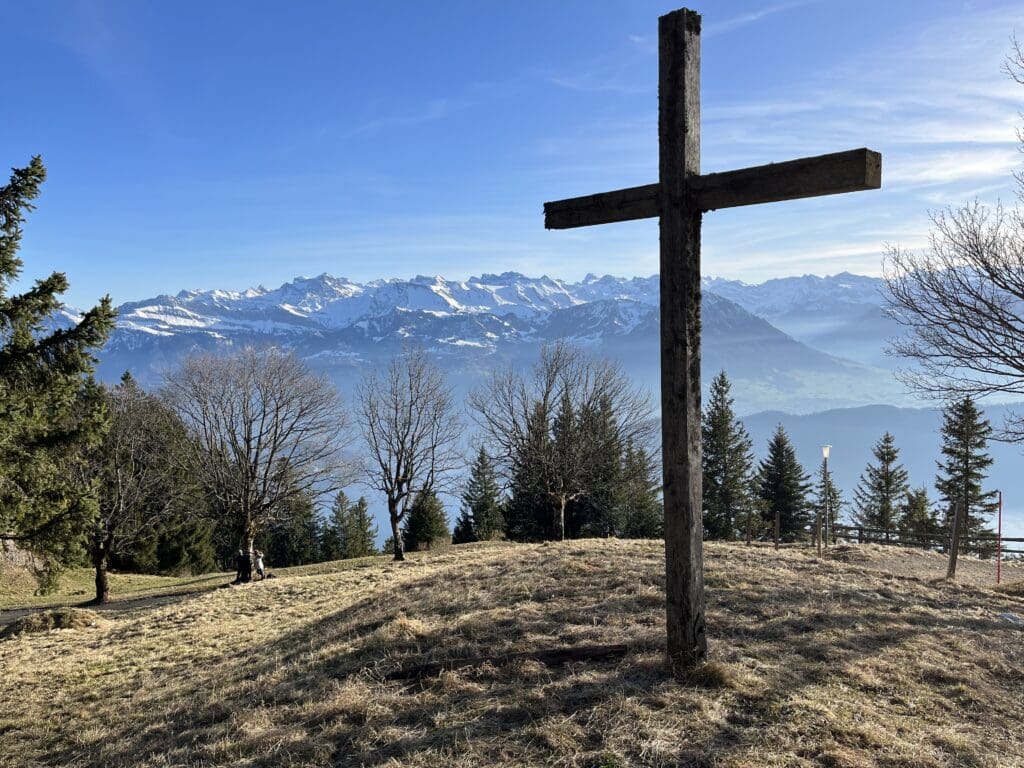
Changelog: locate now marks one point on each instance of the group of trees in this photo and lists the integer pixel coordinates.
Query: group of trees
(571, 439)
(777, 498)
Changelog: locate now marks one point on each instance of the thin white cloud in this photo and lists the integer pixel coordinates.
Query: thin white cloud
(751, 17)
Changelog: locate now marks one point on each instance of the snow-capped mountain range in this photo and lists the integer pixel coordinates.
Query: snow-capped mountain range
(805, 343)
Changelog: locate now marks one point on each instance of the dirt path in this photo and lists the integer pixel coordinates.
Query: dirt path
(120, 606)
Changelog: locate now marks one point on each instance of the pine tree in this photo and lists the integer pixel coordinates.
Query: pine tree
(530, 511)
(783, 486)
(481, 518)
(727, 464)
(642, 515)
(963, 471)
(359, 534)
(330, 533)
(917, 516)
(881, 490)
(426, 525)
(598, 510)
(828, 500)
(294, 539)
(50, 412)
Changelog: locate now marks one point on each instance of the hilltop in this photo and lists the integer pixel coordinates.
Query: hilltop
(832, 662)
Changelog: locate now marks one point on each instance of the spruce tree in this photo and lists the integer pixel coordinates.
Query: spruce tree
(964, 468)
(358, 537)
(727, 464)
(917, 516)
(642, 515)
(481, 518)
(530, 511)
(598, 510)
(50, 412)
(881, 490)
(330, 533)
(426, 525)
(783, 486)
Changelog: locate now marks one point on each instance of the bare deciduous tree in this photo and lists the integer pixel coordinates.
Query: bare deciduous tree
(411, 430)
(267, 431)
(961, 300)
(562, 385)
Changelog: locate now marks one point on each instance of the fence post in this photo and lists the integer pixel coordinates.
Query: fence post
(999, 541)
(954, 544)
(860, 535)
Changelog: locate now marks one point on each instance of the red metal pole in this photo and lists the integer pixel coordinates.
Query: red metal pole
(999, 542)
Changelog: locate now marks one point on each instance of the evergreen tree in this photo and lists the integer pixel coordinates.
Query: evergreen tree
(530, 511)
(643, 514)
(598, 509)
(783, 486)
(727, 464)
(426, 525)
(358, 535)
(294, 537)
(330, 533)
(917, 516)
(881, 490)
(50, 412)
(964, 468)
(481, 518)
(828, 500)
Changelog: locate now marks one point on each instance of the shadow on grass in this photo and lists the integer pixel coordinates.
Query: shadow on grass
(512, 713)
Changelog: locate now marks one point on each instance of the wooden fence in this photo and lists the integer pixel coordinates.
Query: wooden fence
(983, 545)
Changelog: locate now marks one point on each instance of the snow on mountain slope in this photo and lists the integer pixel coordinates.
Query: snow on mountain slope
(342, 327)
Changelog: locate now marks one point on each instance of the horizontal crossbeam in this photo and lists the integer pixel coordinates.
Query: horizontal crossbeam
(851, 171)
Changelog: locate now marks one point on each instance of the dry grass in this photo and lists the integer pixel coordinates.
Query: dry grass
(813, 663)
(47, 621)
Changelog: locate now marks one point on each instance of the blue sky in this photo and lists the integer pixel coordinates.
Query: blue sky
(200, 145)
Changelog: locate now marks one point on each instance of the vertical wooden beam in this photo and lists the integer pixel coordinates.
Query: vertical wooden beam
(680, 216)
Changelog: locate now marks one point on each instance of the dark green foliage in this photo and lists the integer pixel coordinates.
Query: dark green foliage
(828, 500)
(783, 486)
(881, 490)
(481, 518)
(643, 514)
(964, 468)
(294, 539)
(727, 465)
(426, 525)
(918, 516)
(350, 530)
(599, 510)
(50, 413)
(530, 513)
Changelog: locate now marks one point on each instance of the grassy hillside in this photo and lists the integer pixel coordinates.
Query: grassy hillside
(837, 662)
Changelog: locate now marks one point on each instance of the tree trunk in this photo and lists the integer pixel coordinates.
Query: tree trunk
(99, 558)
(396, 531)
(561, 518)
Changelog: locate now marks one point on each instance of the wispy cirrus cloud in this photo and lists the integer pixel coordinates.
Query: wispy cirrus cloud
(750, 17)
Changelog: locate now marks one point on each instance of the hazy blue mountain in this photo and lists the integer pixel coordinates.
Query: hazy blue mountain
(342, 328)
(839, 314)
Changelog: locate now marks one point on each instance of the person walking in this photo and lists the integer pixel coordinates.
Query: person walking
(259, 565)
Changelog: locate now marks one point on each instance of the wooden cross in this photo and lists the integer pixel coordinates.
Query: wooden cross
(679, 199)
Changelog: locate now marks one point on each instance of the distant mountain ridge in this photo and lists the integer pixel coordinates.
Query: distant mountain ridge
(342, 327)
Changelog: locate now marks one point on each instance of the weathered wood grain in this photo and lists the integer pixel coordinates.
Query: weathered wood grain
(680, 219)
(854, 170)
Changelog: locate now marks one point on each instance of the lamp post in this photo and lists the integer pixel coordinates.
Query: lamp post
(825, 450)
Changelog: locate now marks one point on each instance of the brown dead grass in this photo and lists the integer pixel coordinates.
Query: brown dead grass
(47, 621)
(813, 663)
